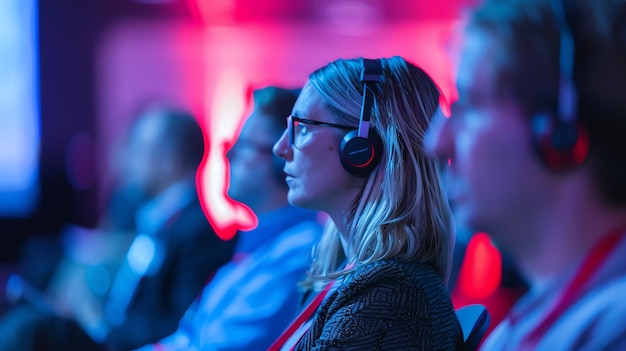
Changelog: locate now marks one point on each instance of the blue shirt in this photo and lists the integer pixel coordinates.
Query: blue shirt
(253, 298)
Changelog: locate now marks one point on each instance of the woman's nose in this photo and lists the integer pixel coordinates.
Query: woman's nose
(281, 147)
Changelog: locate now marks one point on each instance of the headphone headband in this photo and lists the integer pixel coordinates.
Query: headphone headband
(360, 150)
(568, 95)
(372, 70)
(371, 73)
(561, 140)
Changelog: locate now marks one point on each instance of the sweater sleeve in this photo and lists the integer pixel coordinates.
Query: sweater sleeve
(386, 308)
(373, 319)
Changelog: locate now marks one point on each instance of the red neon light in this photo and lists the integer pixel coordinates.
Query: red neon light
(481, 271)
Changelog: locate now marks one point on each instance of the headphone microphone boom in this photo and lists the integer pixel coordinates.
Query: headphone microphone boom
(361, 149)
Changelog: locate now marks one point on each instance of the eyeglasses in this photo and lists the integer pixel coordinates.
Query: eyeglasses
(298, 131)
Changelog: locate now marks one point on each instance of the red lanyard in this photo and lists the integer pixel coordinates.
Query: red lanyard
(590, 266)
(301, 319)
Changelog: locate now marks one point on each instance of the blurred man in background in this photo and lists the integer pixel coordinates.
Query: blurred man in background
(122, 291)
(538, 160)
(252, 299)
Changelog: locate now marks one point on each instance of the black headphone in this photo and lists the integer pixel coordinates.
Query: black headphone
(361, 149)
(560, 139)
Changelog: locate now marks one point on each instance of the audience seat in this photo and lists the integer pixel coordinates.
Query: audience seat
(474, 321)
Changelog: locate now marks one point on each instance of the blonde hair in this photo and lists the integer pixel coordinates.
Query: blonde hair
(402, 211)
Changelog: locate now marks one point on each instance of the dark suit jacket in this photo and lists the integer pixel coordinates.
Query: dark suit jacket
(193, 253)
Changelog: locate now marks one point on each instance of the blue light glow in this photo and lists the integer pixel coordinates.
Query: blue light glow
(19, 108)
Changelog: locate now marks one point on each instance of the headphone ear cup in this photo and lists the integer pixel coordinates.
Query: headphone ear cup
(359, 156)
(564, 137)
(560, 146)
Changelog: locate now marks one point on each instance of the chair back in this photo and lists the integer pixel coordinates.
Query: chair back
(474, 320)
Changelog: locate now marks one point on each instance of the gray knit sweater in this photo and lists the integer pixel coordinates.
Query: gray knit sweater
(388, 305)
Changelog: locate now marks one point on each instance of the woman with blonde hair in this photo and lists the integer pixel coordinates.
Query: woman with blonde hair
(354, 150)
